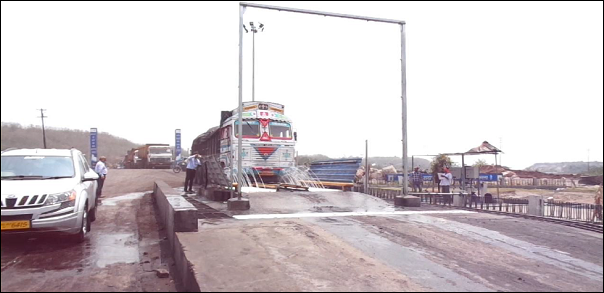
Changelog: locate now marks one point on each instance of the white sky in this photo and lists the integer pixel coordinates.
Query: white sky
(526, 73)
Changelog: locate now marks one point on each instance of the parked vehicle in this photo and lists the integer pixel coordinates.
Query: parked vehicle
(268, 143)
(179, 166)
(149, 156)
(48, 190)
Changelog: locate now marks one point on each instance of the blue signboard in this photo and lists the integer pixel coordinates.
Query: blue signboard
(429, 177)
(395, 177)
(177, 146)
(489, 177)
(93, 147)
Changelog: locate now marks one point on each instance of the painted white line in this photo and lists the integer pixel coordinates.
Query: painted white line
(345, 214)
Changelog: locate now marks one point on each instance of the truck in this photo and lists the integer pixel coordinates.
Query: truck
(149, 156)
(268, 145)
(131, 159)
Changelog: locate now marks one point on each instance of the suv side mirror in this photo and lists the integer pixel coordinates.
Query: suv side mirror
(91, 176)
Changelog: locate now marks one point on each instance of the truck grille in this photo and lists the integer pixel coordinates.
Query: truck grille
(161, 160)
(25, 201)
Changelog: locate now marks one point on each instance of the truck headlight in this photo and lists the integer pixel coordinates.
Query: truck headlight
(67, 197)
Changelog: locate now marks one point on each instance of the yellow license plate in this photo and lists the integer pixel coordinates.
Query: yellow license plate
(16, 225)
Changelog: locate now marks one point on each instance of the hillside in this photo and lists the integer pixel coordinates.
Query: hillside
(17, 136)
(565, 167)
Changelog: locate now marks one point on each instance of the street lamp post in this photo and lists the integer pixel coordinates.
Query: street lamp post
(254, 32)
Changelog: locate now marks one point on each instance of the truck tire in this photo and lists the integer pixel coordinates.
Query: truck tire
(204, 175)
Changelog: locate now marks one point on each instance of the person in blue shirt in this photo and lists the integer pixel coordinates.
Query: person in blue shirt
(192, 163)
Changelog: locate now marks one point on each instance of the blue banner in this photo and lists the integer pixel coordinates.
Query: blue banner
(489, 177)
(177, 146)
(396, 177)
(93, 147)
(429, 177)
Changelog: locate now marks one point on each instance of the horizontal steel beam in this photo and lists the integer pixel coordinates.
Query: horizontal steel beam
(244, 4)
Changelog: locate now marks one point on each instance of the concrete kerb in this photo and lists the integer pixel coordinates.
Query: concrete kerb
(177, 216)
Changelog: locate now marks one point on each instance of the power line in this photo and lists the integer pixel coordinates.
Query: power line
(43, 129)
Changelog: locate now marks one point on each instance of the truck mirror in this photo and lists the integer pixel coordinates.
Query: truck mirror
(296, 136)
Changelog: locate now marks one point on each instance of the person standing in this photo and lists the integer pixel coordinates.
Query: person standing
(417, 180)
(101, 169)
(445, 184)
(192, 163)
(445, 180)
(598, 205)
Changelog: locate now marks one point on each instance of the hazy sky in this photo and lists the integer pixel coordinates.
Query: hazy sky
(528, 74)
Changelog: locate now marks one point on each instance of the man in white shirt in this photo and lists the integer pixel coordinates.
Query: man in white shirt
(445, 185)
(445, 180)
(101, 169)
(192, 163)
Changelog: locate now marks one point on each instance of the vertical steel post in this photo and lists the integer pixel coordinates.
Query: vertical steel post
(240, 118)
(367, 171)
(412, 163)
(497, 177)
(405, 189)
(253, 66)
(463, 173)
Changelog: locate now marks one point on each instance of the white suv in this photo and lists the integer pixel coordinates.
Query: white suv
(47, 190)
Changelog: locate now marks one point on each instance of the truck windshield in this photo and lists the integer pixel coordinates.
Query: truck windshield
(251, 129)
(36, 167)
(280, 130)
(160, 150)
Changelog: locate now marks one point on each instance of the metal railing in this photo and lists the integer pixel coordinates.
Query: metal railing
(588, 213)
(505, 205)
(445, 199)
(573, 211)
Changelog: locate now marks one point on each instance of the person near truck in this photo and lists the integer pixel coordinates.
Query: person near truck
(101, 169)
(417, 180)
(192, 163)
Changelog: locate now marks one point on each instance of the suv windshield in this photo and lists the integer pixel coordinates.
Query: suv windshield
(15, 167)
(160, 150)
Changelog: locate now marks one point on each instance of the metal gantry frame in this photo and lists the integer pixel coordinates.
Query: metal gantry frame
(243, 5)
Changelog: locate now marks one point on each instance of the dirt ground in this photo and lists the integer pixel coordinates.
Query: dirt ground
(583, 194)
(122, 181)
(122, 252)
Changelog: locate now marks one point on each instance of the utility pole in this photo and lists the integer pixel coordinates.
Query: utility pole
(43, 130)
(254, 32)
(501, 155)
(588, 169)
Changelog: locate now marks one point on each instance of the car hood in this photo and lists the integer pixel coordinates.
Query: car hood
(37, 187)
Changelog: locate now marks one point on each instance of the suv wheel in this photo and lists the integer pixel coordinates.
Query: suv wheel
(81, 236)
(92, 217)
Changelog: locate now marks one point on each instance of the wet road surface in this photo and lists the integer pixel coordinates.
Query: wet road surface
(296, 241)
(121, 253)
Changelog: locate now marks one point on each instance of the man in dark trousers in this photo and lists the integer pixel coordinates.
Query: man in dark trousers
(192, 163)
(417, 180)
(101, 169)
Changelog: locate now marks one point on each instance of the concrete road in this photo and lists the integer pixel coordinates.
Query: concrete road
(320, 241)
(121, 253)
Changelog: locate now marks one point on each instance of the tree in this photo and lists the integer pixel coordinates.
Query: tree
(480, 163)
(439, 162)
